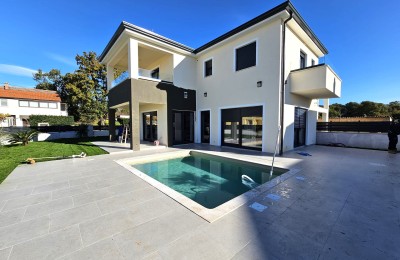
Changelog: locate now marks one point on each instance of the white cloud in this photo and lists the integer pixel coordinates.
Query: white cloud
(17, 70)
(62, 59)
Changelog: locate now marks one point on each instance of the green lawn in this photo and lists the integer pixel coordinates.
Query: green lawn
(12, 155)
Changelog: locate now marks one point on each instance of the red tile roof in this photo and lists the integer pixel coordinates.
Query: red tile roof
(28, 93)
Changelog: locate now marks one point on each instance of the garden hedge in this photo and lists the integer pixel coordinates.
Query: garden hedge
(52, 120)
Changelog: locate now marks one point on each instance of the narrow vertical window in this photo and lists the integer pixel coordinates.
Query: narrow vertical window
(312, 62)
(303, 58)
(155, 74)
(208, 68)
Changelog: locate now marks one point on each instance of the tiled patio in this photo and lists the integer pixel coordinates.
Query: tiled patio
(346, 207)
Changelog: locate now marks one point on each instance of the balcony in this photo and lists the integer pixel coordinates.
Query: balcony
(318, 81)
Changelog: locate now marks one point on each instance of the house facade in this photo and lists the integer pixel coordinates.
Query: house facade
(236, 90)
(20, 103)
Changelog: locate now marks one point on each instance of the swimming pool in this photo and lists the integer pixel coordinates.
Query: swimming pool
(210, 185)
(207, 179)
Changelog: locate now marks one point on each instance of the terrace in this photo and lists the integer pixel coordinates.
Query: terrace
(94, 208)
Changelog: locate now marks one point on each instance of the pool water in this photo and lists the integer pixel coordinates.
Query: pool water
(206, 179)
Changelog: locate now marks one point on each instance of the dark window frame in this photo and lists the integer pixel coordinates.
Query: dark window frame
(155, 73)
(303, 60)
(243, 51)
(208, 71)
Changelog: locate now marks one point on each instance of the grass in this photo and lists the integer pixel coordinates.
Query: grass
(13, 155)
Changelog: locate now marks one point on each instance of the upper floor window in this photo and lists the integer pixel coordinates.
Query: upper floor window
(24, 103)
(303, 59)
(63, 107)
(246, 56)
(3, 102)
(52, 105)
(155, 74)
(36, 104)
(208, 68)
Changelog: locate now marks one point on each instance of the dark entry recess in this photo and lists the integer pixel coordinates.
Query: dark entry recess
(205, 127)
(242, 127)
(183, 127)
(150, 126)
(300, 122)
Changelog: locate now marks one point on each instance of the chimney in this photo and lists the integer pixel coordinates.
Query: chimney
(6, 86)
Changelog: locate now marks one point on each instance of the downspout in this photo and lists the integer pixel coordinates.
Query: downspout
(282, 109)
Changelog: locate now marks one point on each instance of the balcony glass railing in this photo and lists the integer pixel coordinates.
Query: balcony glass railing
(144, 73)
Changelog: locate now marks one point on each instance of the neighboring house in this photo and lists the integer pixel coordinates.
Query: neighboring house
(227, 92)
(20, 103)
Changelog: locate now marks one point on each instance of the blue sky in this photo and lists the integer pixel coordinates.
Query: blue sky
(362, 36)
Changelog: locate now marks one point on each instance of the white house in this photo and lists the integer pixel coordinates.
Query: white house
(20, 103)
(233, 91)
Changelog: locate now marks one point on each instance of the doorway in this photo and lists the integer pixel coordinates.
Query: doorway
(150, 126)
(300, 123)
(242, 127)
(205, 127)
(183, 127)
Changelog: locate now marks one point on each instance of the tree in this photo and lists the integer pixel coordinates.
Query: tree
(84, 90)
(337, 110)
(394, 107)
(353, 109)
(51, 80)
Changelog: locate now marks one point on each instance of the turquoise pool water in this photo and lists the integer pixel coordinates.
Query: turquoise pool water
(209, 180)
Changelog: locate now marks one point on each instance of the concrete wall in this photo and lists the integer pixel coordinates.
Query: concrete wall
(66, 135)
(358, 140)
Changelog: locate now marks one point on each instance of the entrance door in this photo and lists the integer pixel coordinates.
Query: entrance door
(300, 122)
(150, 126)
(242, 127)
(205, 127)
(183, 127)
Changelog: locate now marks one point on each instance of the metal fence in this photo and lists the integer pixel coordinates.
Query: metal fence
(367, 127)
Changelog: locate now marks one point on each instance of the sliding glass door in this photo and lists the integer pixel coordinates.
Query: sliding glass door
(150, 126)
(300, 129)
(242, 127)
(183, 127)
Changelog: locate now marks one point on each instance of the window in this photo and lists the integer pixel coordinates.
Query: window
(303, 59)
(23, 103)
(208, 68)
(312, 62)
(52, 105)
(155, 74)
(63, 107)
(3, 102)
(44, 105)
(33, 104)
(246, 56)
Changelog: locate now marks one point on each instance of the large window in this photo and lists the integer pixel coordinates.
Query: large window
(246, 56)
(208, 68)
(242, 127)
(155, 74)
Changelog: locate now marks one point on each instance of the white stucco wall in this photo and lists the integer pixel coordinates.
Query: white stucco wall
(14, 109)
(228, 88)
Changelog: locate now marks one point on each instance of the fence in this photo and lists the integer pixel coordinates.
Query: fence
(366, 127)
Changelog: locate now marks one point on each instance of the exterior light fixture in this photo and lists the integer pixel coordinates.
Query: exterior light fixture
(185, 94)
(259, 84)
(205, 94)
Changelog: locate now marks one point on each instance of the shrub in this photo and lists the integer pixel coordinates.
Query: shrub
(52, 120)
(23, 136)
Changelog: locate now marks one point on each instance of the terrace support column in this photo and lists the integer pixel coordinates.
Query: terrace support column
(111, 124)
(110, 76)
(134, 123)
(325, 116)
(133, 59)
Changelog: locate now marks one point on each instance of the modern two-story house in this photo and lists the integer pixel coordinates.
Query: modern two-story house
(236, 90)
(20, 103)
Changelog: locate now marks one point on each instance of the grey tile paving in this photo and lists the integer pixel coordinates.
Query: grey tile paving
(13, 234)
(5, 253)
(27, 201)
(46, 208)
(346, 208)
(50, 187)
(57, 194)
(105, 249)
(50, 246)
(73, 216)
(11, 217)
